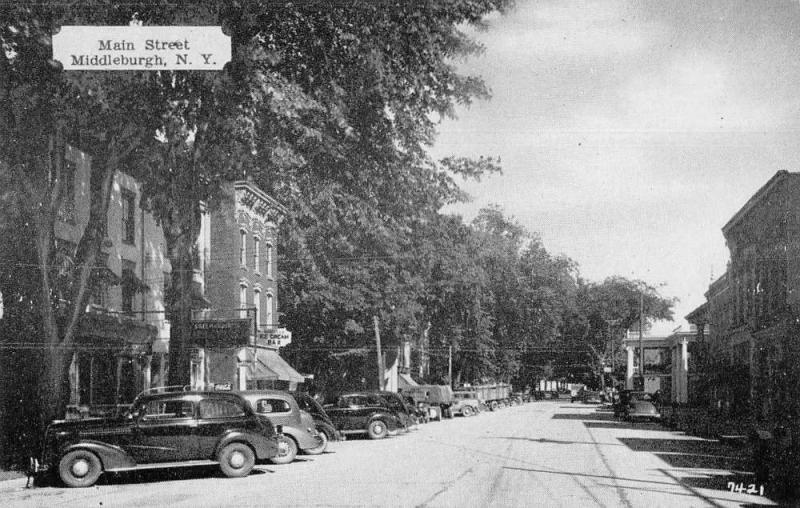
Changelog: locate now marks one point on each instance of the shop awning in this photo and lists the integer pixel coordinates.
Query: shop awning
(268, 365)
(405, 380)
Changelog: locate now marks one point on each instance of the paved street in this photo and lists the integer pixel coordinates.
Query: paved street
(547, 453)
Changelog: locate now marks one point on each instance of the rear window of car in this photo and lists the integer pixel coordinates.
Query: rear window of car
(272, 406)
(168, 409)
(220, 408)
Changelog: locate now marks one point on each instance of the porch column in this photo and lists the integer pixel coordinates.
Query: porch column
(683, 372)
(629, 370)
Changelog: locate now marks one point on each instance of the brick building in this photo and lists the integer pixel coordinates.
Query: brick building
(239, 266)
(122, 345)
(751, 310)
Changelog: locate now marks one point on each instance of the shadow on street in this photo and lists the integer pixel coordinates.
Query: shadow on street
(166, 475)
(589, 416)
(544, 440)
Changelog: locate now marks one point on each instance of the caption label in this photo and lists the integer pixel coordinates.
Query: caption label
(123, 48)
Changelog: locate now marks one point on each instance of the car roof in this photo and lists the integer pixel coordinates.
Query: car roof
(192, 393)
(278, 394)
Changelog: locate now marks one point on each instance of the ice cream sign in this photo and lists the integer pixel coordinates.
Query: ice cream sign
(123, 48)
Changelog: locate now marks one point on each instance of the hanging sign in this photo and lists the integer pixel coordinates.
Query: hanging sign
(136, 47)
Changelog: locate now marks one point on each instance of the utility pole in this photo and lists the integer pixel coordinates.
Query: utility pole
(378, 345)
(450, 366)
(641, 346)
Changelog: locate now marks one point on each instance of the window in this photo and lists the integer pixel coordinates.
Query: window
(67, 211)
(168, 409)
(256, 248)
(100, 293)
(128, 288)
(272, 406)
(257, 305)
(269, 311)
(269, 260)
(128, 216)
(243, 301)
(243, 248)
(219, 409)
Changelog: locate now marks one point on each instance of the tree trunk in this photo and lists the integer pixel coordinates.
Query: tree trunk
(59, 328)
(180, 231)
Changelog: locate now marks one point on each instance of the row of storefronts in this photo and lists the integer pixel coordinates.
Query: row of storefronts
(743, 343)
(122, 345)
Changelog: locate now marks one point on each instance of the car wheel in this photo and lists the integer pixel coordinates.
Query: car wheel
(236, 460)
(467, 411)
(79, 468)
(318, 449)
(377, 429)
(287, 450)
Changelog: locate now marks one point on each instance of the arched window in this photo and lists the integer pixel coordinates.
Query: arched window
(257, 305)
(256, 249)
(243, 301)
(243, 248)
(268, 316)
(269, 261)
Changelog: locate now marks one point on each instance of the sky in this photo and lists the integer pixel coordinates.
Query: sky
(630, 132)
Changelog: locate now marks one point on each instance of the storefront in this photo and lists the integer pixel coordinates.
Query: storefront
(112, 361)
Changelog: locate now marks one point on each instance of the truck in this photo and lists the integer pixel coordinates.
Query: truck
(437, 398)
(493, 395)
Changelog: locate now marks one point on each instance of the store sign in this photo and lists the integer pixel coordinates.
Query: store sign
(279, 338)
(221, 332)
(132, 48)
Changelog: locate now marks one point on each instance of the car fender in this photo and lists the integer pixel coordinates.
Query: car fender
(111, 457)
(389, 419)
(301, 438)
(263, 446)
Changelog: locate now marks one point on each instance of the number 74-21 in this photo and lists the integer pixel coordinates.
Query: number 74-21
(749, 489)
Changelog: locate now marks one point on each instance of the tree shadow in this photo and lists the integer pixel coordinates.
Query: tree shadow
(544, 440)
(584, 416)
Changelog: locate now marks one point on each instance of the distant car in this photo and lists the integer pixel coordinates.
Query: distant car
(299, 430)
(322, 421)
(363, 413)
(625, 399)
(639, 410)
(465, 403)
(168, 429)
(399, 405)
(420, 409)
(589, 397)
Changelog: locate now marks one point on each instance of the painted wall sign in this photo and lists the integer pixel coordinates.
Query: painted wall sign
(118, 48)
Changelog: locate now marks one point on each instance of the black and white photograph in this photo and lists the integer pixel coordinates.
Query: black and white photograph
(422, 253)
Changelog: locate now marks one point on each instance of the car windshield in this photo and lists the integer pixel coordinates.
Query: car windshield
(308, 403)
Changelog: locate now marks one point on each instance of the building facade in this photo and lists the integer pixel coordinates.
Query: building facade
(122, 339)
(670, 365)
(240, 280)
(122, 344)
(752, 309)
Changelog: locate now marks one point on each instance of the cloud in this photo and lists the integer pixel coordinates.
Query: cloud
(572, 29)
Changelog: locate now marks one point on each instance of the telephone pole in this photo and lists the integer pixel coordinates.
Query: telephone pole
(376, 323)
(450, 366)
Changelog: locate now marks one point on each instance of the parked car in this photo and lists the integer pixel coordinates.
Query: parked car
(465, 403)
(642, 410)
(323, 422)
(161, 430)
(625, 399)
(299, 431)
(399, 405)
(363, 413)
(591, 397)
(420, 409)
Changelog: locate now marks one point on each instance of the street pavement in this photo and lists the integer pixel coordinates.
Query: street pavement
(544, 453)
